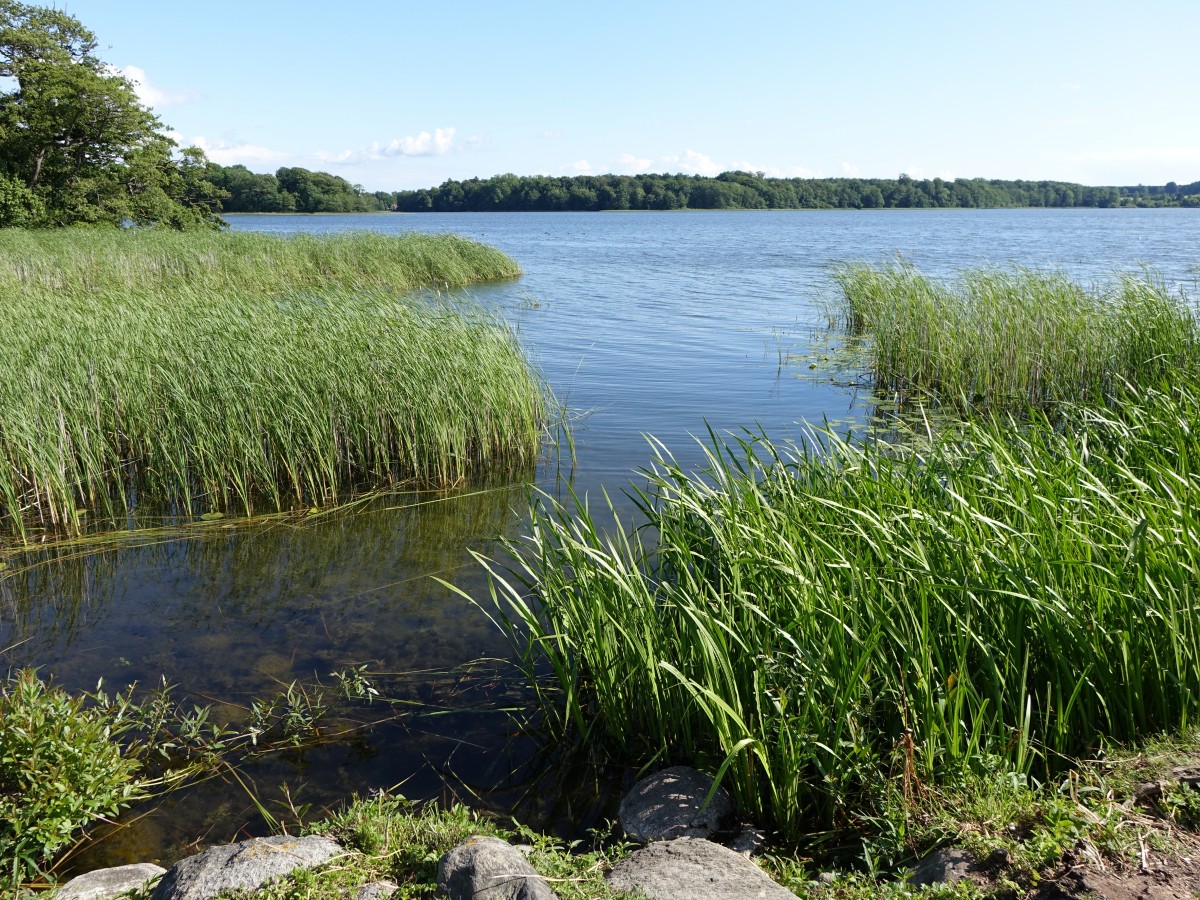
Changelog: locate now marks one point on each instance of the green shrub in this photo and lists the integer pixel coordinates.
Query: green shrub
(60, 771)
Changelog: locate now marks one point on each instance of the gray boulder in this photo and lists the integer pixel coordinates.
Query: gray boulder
(694, 869)
(487, 868)
(250, 864)
(671, 804)
(377, 890)
(104, 884)
(948, 865)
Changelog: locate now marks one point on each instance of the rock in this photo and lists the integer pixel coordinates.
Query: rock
(1150, 792)
(694, 869)
(104, 884)
(671, 804)
(250, 864)
(377, 890)
(487, 868)
(948, 865)
(748, 840)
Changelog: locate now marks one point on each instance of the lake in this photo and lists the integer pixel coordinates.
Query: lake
(662, 324)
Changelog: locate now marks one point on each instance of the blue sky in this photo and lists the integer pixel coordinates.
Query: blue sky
(404, 94)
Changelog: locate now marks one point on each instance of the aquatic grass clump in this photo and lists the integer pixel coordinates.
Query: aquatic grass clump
(810, 621)
(275, 392)
(148, 261)
(1007, 339)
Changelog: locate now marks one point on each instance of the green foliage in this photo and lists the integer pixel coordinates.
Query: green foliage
(234, 371)
(61, 769)
(998, 339)
(803, 621)
(75, 137)
(746, 190)
(69, 761)
(292, 190)
(403, 842)
(19, 206)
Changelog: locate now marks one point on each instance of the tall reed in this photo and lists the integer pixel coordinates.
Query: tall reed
(76, 262)
(1006, 339)
(809, 620)
(238, 372)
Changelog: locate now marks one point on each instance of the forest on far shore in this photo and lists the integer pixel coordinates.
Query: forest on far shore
(300, 190)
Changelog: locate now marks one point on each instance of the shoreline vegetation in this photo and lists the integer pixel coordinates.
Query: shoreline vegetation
(214, 372)
(832, 627)
(981, 634)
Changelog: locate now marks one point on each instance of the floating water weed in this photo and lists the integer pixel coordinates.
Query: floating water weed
(809, 621)
(238, 371)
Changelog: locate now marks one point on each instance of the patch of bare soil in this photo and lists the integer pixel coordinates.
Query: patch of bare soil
(1159, 877)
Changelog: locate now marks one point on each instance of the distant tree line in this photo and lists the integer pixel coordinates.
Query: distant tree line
(750, 190)
(292, 190)
(298, 190)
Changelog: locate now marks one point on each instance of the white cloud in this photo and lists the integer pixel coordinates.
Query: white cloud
(692, 162)
(699, 164)
(776, 171)
(552, 135)
(850, 170)
(579, 167)
(915, 172)
(231, 154)
(151, 96)
(628, 164)
(439, 143)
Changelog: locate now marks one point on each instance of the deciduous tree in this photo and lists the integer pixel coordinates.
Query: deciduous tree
(76, 145)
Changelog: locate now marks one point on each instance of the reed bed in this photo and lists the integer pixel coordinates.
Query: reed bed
(78, 262)
(1007, 339)
(818, 622)
(242, 372)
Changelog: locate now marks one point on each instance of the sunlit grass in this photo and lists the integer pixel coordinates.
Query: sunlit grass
(243, 372)
(813, 621)
(999, 338)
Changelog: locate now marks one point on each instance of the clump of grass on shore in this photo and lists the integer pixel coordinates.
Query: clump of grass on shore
(239, 372)
(1007, 339)
(811, 621)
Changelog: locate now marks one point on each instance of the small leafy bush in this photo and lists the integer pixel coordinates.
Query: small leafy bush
(60, 771)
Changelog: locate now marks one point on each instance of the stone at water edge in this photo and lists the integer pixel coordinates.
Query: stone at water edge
(377, 890)
(104, 884)
(249, 864)
(671, 804)
(694, 869)
(487, 868)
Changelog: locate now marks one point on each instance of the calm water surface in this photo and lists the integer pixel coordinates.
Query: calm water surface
(644, 323)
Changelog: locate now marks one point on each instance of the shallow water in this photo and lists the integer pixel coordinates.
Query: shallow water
(657, 324)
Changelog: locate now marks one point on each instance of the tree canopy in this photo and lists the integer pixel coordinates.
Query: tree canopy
(753, 190)
(76, 145)
(292, 190)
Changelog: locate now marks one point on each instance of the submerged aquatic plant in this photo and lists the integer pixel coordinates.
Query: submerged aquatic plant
(236, 372)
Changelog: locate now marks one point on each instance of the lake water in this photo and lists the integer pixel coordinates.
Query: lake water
(658, 324)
